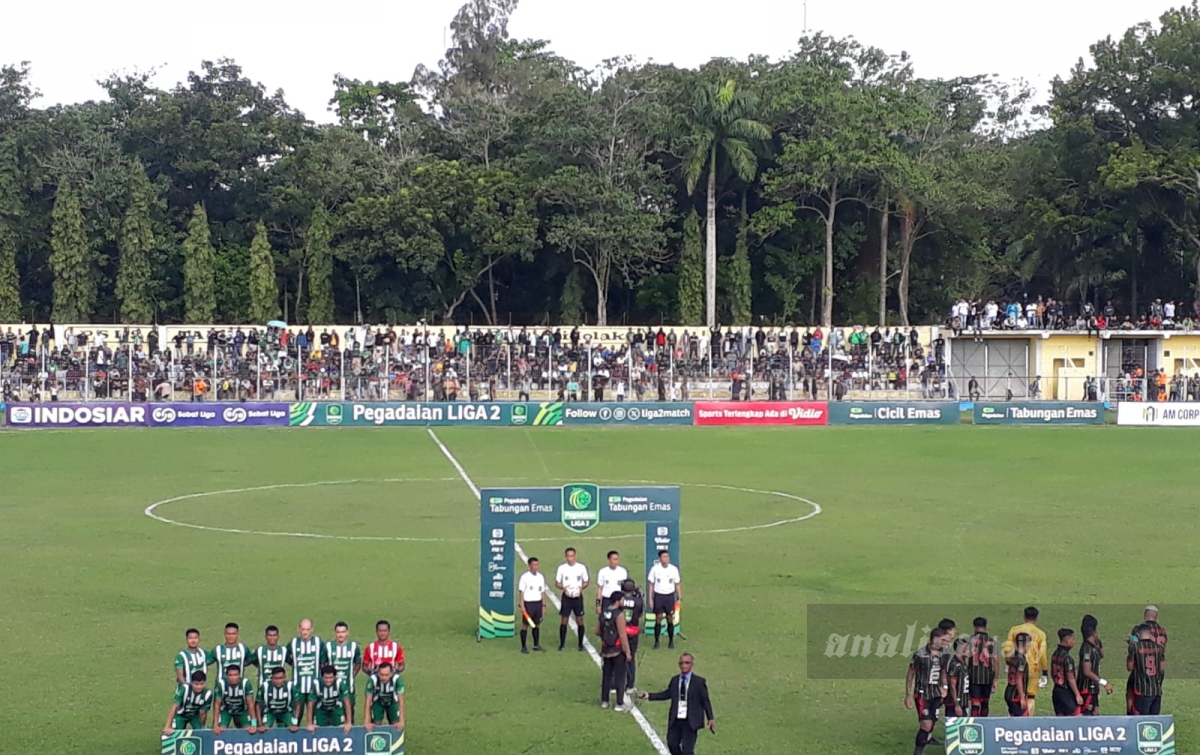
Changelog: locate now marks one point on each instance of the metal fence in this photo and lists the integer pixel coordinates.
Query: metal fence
(269, 366)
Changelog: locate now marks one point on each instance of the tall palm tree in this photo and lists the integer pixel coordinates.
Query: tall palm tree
(722, 124)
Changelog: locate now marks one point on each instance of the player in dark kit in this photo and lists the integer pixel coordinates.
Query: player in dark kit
(958, 690)
(983, 668)
(1066, 698)
(1147, 664)
(1157, 633)
(1091, 652)
(1016, 694)
(925, 687)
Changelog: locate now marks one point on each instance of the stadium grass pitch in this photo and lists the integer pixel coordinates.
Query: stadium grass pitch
(96, 595)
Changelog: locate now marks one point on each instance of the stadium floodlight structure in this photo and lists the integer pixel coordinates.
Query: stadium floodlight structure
(579, 507)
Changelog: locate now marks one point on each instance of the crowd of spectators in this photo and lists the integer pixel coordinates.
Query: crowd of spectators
(1047, 313)
(448, 363)
(461, 363)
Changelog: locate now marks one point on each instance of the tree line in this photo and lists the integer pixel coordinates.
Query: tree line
(512, 185)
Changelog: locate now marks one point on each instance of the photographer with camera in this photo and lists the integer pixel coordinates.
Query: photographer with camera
(635, 607)
(614, 650)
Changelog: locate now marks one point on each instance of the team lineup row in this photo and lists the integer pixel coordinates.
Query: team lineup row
(322, 690)
(961, 673)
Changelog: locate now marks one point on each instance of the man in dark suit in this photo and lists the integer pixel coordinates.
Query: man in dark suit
(690, 707)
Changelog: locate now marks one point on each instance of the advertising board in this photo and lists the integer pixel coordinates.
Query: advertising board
(1039, 413)
(762, 413)
(894, 413)
(1172, 414)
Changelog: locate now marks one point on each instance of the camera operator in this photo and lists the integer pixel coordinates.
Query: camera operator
(635, 607)
(614, 650)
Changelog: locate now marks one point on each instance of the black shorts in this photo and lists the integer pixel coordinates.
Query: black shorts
(927, 710)
(664, 604)
(535, 610)
(571, 606)
(1064, 702)
(1145, 705)
(1090, 704)
(980, 693)
(1017, 709)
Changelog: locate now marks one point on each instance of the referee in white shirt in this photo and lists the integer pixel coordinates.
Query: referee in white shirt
(572, 579)
(533, 605)
(609, 579)
(663, 583)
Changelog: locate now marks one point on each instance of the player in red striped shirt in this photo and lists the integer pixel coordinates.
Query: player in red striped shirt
(383, 650)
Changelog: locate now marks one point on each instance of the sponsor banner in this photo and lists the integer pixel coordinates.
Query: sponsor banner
(77, 415)
(578, 506)
(622, 413)
(217, 415)
(761, 413)
(894, 413)
(1043, 735)
(1039, 413)
(495, 413)
(1176, 414)
(383, 740)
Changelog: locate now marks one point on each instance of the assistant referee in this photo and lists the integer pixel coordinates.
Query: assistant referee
(664, 584)
(533, 605)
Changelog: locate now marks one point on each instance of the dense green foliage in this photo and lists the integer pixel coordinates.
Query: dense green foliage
(475, 191)
(199, 281)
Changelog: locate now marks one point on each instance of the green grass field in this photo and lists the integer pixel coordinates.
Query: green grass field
(96, 595)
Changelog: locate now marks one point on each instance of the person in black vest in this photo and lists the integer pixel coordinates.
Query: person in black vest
(690, 707)
(635, 607)
(614, 650)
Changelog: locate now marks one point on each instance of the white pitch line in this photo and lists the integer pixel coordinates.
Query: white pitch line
(637, 714)
(152, 512)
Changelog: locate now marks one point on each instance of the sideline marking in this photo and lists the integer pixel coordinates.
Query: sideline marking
(636, 712)
(152, 512)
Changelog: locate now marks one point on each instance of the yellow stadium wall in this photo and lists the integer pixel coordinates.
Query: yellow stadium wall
(1181, 354)
(1064, 362)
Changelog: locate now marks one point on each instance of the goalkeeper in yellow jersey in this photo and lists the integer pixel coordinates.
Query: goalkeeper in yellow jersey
(1036, 656)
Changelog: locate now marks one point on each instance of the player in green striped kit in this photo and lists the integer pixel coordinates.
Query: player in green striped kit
(233, 652)
(235, 702)
(304, 655)
(329, 702)
(270, 656)
(345, 655)
(191, 659)
(385, 698)
(279, 703)
(189, 709)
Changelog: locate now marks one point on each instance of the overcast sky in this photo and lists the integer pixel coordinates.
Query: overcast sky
(300, 46)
